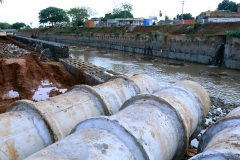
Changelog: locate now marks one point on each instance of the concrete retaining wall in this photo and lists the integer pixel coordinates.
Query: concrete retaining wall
(57, 50)
(181, 47)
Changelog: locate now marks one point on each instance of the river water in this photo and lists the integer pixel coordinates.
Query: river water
(219, 82)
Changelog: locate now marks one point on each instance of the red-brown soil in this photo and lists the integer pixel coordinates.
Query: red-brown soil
(199, 29)
(24, 73)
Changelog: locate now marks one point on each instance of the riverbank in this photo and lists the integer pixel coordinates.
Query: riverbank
(23, 75)
(198, 43)
(219, 108)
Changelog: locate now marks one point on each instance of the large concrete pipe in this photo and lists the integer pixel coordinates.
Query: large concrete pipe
(149, 126)
(22, 134)
(59, 115)
(222, 140)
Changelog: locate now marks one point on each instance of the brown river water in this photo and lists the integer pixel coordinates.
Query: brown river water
(219, 82)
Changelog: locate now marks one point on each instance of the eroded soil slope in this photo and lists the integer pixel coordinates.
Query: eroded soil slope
(200, 29)
(21, 73)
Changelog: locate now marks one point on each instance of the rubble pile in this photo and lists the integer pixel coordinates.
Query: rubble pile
(11, 50)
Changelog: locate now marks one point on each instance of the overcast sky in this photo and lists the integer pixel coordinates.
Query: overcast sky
(26, 11)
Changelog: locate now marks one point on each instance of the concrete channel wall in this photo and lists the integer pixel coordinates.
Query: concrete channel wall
(56, 50)
(180, 47)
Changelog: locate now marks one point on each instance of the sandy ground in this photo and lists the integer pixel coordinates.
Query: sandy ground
(23, 74)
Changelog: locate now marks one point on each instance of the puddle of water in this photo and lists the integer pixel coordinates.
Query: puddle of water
(43, 93)
(11, 94)
(211, 66)
(43, 90)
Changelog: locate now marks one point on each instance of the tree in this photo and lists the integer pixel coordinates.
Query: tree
(52, 15)
(122, 10)
(79, 15)
(4, 25)
(27, 27)
(18, 25)
(227, 5)
(160, 14)
(185, 16)
(167, 18)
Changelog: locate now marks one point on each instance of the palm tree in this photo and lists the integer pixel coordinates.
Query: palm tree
(160, 14)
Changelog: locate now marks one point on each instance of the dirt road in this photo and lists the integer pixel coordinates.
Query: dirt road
(22, 73)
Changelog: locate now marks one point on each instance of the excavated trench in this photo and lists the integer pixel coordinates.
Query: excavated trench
(24, 76)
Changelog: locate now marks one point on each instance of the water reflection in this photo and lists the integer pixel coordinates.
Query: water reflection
(219, 82)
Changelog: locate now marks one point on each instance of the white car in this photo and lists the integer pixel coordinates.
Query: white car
(3, 34)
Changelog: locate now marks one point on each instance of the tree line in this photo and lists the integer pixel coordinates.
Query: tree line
(77, 15)
(17, 25)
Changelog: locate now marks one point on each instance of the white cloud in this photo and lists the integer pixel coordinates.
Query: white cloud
(26, 11)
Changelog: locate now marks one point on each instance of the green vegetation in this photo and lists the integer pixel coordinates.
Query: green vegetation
(122, 10)
(211, 31)
(62, 31)
(147, 34)
(18, 25)
(4, 25)
(209, 35)
(190, 29)
(137, 35)
(234, 33)
(164, 35)
(190, 36)
(101, 28)
(196, 25)
(227, 5)
(117, 27)
(78, 15)
(52, 15)
(90, 28)
(167, 26)
(184, 16)
(116, 34)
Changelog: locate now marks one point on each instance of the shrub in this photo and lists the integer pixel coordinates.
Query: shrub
(209, 35)
(137, 35)
(62, 31)
(190, 29)
(164, 35)
(116, 34)
(190, 36)
(196, 25)
(234, 33)
(167, 26)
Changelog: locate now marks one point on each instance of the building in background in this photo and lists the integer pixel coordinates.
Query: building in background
(219, 16)
(125, 21)
(187, 21)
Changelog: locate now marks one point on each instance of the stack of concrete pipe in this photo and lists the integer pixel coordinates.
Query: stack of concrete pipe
(222, 140)
(28, 126)
(148, 126)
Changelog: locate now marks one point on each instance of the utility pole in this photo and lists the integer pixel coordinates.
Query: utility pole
(182, 11)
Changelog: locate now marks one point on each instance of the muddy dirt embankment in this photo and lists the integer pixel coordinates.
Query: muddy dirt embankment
(22, 74)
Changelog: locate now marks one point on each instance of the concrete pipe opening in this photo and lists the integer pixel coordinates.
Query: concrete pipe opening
(221, 140)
